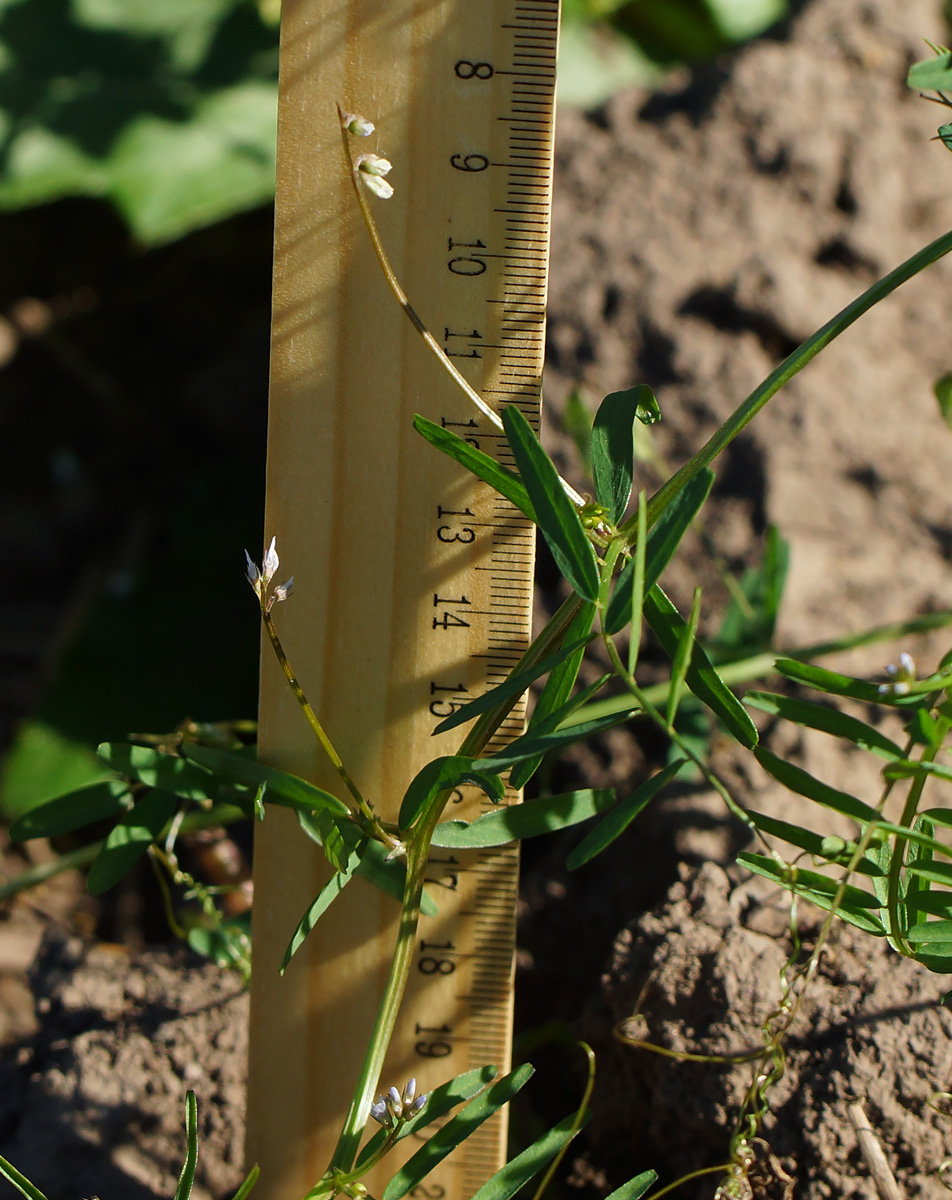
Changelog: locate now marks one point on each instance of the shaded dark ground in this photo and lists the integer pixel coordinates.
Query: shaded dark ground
(700, 233)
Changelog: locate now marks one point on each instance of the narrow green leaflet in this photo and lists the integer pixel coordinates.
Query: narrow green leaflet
(515, 685)
(637, 616)
(130, 839)
(532, 744)
(702, 679)
(187, 1177)
(556, 515)
(663, 540)
(325, 898)
(338, 837)
(249, 1181)
(933, 871)
(523, 820)
(831, 848)
(805, 784)
(826, 720)
(635, 1188)
(9, 1172)
(390, 875)
(835, 684)
(287, 790)
(73, 811)
(442, 775)
(931, 931)
(525, 1166)
(557, 689)
(157, 769)
(938, 904)
(909, 768)
(446, 1139)
(613, 449)
(682, 659)
(506, 482)
(438, 1103)
(620, 817)
(854, 908)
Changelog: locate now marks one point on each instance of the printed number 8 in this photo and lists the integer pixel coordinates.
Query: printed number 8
(470, 70)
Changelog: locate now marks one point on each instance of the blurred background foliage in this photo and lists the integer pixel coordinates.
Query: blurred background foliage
(136, 169)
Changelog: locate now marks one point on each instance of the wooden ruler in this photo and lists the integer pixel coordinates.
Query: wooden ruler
(413, 582)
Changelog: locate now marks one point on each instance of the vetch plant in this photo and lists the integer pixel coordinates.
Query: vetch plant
(893, 879)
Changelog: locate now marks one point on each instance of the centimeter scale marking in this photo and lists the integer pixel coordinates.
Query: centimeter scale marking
(414, 582)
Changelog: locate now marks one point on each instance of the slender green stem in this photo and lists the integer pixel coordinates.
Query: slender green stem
(790, 366)
(311, 715)
(576, 1124)
(418, 848)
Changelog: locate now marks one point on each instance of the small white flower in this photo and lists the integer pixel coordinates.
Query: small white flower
(254, 575)
(280, 593)
(373, 164)
(409, 1092)
(270, 564)
(372, 169)
(380, 1113)
(356, 124)
(418, 1103)
(901, 675)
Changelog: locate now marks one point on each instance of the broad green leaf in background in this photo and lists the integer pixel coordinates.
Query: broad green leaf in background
(155, 768)
(534, 817)
(168, 110)
(130, 839)
(73, 811)
(556, 515)
(450, 1135)
(282, 788)
(42, 764)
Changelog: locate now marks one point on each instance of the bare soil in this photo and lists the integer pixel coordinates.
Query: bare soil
(700, 233)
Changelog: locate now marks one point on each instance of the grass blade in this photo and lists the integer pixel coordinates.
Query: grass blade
(682, 659)
(250, 1180)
